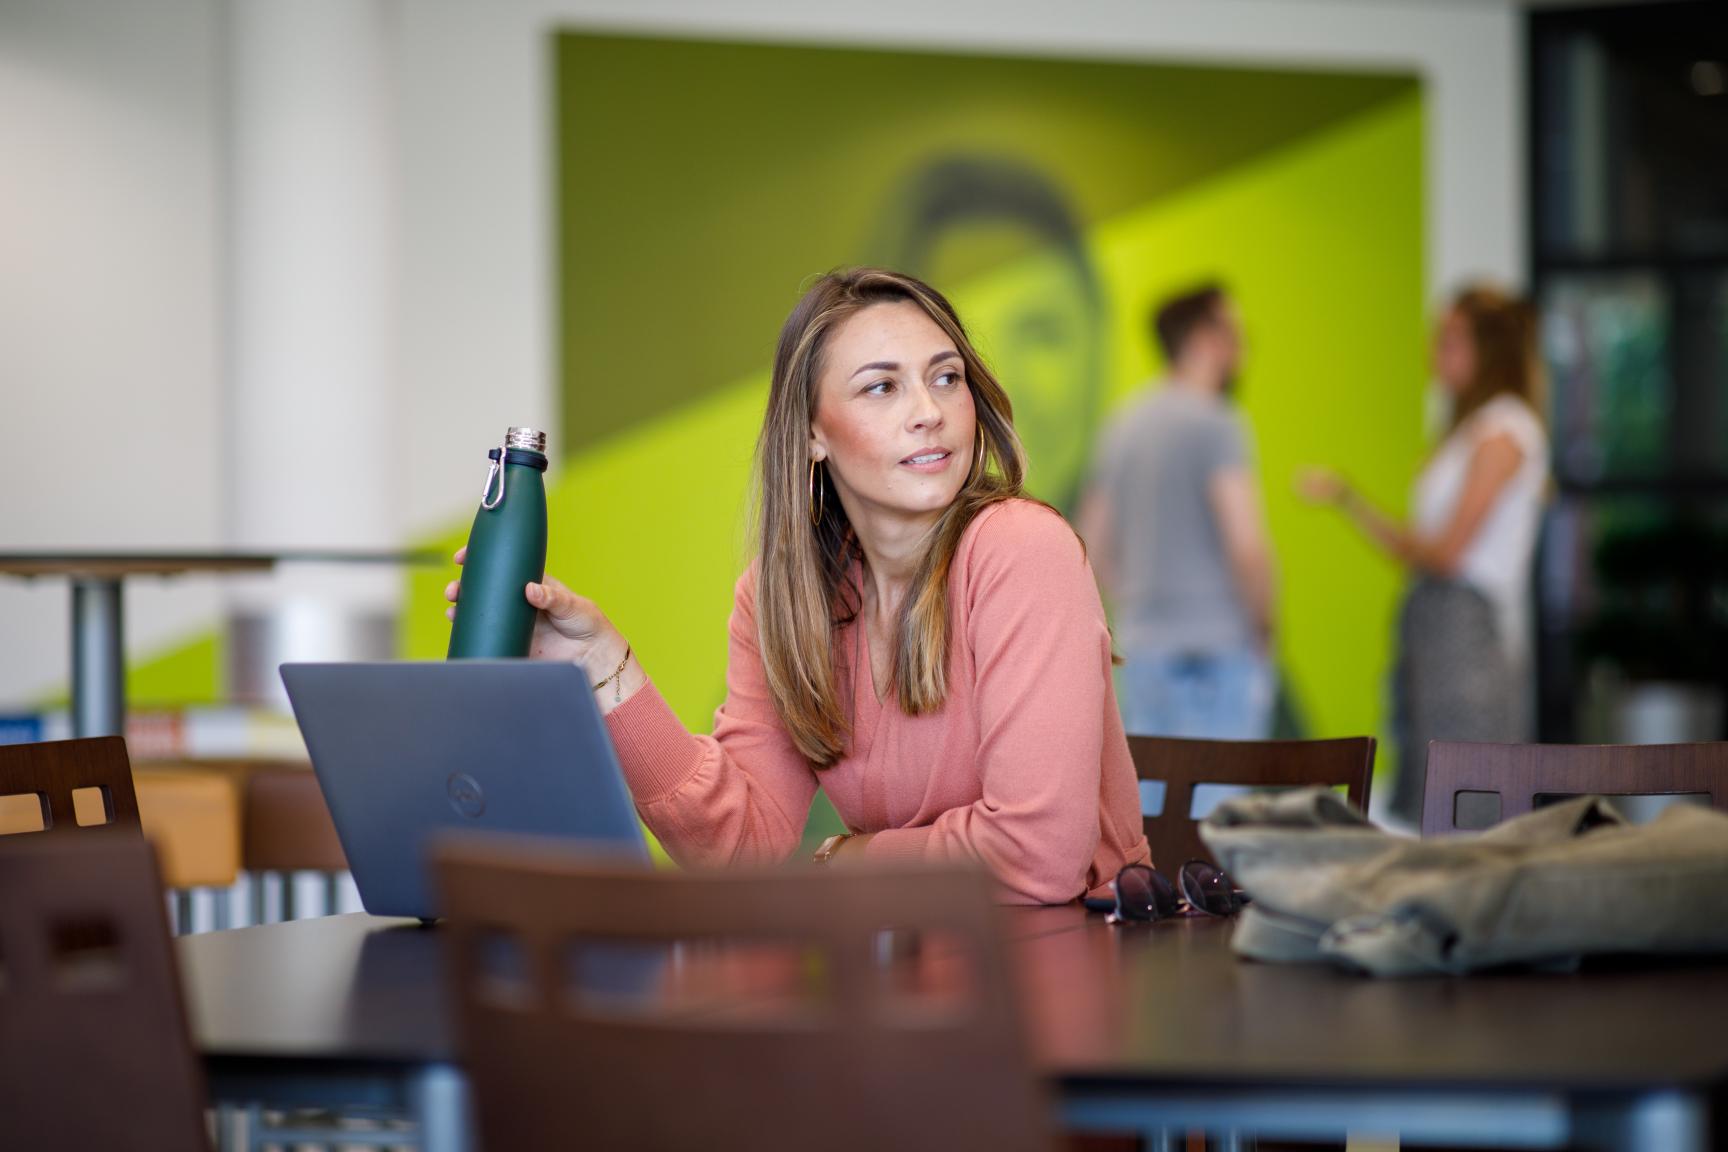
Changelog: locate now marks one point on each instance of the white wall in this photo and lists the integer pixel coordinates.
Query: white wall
(477, 324)
(110, 408)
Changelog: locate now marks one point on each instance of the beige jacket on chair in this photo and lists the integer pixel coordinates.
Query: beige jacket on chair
(1565, 882)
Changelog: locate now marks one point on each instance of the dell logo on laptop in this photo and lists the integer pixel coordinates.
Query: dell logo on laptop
(465, 794)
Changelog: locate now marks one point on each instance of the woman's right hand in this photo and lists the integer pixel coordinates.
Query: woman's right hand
(1322, 486)
(566, 627)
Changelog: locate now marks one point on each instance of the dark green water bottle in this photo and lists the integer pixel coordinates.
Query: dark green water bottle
(506, 552)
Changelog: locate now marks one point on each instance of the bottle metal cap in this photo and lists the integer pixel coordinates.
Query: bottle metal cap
(525, 439)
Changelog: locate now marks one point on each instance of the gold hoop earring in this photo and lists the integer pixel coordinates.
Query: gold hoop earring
(977, 471)
(818, 493)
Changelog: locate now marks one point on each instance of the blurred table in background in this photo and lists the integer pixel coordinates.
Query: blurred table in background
(98, 659)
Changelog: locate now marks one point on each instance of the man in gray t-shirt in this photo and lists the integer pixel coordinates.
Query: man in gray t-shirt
(1175, 530)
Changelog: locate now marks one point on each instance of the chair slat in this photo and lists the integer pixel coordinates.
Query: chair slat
(1174, 835)
(764, 1011)
(1519, 773)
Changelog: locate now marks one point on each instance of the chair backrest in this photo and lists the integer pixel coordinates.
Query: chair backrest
(1174, 834)
(193, 818)
(287, 824)
(94, 1047)
(54, 770)
(1494, 782)
(841, 1009)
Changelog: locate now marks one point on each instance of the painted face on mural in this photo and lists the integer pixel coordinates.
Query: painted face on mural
(1037, 321)
(894, 418)
(1045, 361)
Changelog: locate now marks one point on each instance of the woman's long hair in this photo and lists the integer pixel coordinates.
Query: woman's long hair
(1503, 330)
(802, 592)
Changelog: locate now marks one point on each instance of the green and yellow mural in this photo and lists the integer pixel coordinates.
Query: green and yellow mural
(701, 184)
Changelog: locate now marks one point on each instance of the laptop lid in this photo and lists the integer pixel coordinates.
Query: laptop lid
(405, 751)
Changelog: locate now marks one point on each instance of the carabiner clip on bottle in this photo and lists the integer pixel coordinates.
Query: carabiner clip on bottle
(487, 501)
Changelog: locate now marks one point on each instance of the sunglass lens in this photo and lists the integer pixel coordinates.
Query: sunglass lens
(1134, 893)
(1206, 888)
(1142, 894)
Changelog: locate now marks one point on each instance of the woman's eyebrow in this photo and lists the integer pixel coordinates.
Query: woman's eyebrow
(893, 366)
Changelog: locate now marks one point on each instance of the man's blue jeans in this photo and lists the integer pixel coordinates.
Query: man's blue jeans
(1225, 695)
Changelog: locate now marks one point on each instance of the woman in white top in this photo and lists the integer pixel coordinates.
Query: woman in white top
(1463, 638)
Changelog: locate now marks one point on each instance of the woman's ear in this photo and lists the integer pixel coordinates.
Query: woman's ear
(818, 447)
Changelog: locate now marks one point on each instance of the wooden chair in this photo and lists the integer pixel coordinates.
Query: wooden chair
(192, 816)
(287, 829)
(1489, 783)
(765, 1011)
(1173, 833)
(76, 783)
(94, 1047)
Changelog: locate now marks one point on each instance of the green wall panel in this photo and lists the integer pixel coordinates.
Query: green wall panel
(700, 183)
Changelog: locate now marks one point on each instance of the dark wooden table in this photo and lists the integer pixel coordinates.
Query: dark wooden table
(1160, 1026)
(1142, 1028)
(337, 1012)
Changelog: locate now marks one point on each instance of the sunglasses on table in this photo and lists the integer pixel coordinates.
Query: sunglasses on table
(1144, 894)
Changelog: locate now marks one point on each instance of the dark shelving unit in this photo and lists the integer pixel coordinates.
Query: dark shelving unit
(1628, 179)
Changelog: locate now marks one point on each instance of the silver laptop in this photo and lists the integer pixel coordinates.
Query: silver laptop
(406, 751)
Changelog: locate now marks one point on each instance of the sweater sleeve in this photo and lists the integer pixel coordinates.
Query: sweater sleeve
(740, 795)
(1042, 651)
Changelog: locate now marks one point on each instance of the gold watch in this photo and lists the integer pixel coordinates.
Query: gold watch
(825, 851)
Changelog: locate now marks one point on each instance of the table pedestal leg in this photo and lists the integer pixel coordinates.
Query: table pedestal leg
(1669, 1121)
(438, 1098)
(98, 668)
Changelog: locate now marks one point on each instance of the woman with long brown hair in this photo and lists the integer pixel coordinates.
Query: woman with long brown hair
(914, 636)
(1463, 631)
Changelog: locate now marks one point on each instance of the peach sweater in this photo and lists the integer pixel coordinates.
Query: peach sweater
(1025, 767)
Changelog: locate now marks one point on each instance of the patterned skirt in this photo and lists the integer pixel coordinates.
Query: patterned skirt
(1453, 681)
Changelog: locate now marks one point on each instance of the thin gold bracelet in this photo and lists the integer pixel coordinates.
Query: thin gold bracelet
(616, 678)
